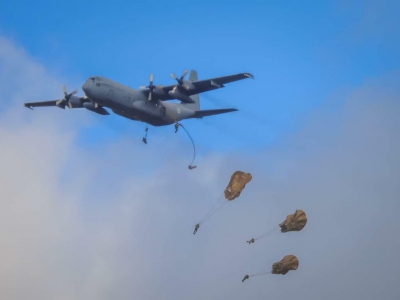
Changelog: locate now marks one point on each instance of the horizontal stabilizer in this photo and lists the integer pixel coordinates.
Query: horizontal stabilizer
(211, 112)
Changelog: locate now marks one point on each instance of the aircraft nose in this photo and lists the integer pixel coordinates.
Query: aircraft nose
(85, 87)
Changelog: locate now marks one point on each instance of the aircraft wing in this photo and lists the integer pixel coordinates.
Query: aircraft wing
(41, 104)
(30, 105)
(205, 85)
(83, 103)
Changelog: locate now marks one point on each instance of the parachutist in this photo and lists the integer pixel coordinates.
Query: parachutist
(245, 277)
(196, 228)
(236, 185)
(192, 167)
(251, 241)
(176, 127)
(144, 139)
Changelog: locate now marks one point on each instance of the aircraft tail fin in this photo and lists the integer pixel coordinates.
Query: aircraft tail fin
(196, 98)
(193, 75)
(196, 106)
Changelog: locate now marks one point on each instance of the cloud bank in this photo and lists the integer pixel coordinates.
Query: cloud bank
(83, 223)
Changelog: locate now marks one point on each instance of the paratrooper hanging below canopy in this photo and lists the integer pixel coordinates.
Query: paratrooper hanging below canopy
(289, 262)
(235, 186)
(293, 222)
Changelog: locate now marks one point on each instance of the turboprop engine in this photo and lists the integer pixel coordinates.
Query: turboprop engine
(177, 94)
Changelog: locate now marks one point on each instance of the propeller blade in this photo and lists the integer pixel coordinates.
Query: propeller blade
(66, 95)
(69, 104)
(184, 74)
(173, 76)
(159, 87)
(151, 78)
(64, 90)
(150, 96)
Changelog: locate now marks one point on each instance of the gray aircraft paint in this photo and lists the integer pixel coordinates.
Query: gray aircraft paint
(139, 105)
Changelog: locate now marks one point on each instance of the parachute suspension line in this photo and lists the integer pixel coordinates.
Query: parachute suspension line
(209, 213)
(190, 167)
(210, 210)
(258, 274)
(267, 233)
(214, 212)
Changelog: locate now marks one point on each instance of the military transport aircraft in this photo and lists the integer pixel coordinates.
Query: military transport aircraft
(149, 103)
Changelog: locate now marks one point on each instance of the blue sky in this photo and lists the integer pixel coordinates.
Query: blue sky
(89, 212)
(301, 53)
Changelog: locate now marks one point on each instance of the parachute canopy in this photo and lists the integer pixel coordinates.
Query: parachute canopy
(294, 222)
(237, 183)
(289, 262)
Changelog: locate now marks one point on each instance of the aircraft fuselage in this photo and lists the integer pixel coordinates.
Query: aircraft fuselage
(133, 104)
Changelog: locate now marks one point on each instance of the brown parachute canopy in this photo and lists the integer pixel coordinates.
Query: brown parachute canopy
(294, 222)
(237, 183)
(289, 262)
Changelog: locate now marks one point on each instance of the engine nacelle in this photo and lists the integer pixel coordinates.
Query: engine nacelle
(74, 102)
(180, 96)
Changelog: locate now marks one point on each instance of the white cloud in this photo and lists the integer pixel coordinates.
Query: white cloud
(79, 224)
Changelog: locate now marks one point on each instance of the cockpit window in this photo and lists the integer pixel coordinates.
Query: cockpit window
(93, 79)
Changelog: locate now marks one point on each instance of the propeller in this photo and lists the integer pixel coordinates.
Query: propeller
(180, 80)
(151, 87)
(65, 101)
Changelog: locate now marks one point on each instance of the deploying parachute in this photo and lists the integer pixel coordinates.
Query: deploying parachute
(294, 222)
(233, 190)
(236, 185)
(289, 262)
